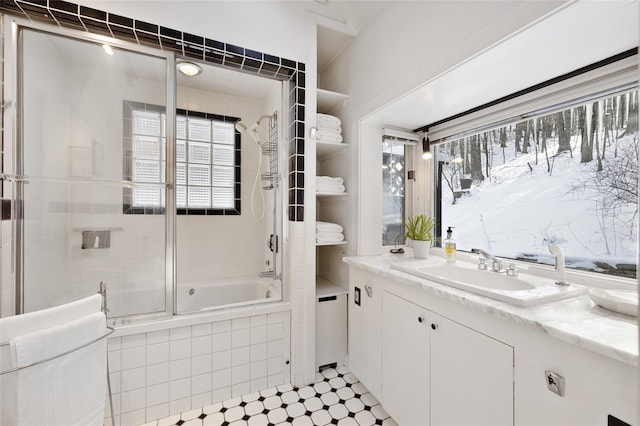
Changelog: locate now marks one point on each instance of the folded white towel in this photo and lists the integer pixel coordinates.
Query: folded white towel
(329, 127)
(328, 119)
(328, 227)
(18, 325)
(329, 179)
(328, 136)
(330, 188)
(329, 237)
(69, 390)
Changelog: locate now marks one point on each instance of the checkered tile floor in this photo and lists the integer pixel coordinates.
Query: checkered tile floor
(337, 398)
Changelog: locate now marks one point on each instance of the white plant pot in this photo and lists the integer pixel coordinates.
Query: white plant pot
(421, 249)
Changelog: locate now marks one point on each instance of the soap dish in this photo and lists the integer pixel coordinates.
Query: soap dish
(622, 301)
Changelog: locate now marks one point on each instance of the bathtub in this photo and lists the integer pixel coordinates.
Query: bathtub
(208, 295)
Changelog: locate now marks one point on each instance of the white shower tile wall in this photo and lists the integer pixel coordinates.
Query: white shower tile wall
(162, 373)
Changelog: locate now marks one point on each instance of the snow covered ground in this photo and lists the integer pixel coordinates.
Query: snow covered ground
(517, 212)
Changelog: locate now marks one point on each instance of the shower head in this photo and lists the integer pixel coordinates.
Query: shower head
(242, 127)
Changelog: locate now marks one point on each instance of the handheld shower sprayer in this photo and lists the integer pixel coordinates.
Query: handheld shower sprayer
(556, 250)
(241, 126)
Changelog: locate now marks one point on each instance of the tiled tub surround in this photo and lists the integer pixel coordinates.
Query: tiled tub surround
(170, 370)
(576, 321)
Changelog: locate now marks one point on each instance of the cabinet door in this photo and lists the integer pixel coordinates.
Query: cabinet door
(471, 376)
(595, 386)
(365, 333)
(405, 360)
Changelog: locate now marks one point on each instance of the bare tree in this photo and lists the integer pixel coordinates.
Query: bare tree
(503, 143)
(632, 123)
(485, 150)
(475, 159)
(586, 147)
(595, 125)
(520, 130)
(546, 124)
(616, 184)
(563, 127)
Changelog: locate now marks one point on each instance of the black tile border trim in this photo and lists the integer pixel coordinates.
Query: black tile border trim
(70, 15)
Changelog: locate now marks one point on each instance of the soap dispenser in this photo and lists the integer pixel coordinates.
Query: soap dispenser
(449, 247)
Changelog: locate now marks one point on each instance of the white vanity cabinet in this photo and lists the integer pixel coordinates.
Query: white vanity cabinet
(405, 360)
(471, 376)
(431, 360)
(438, 372)
(364, 328)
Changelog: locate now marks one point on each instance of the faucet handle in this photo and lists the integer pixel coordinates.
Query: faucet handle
(482, 263)
(511, 270)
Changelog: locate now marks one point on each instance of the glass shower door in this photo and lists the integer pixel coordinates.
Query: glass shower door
(95, 182)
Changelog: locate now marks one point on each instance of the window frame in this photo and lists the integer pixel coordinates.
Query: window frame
(129, 208)
(600, 83)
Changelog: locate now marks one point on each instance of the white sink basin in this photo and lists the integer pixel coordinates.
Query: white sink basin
(622, 301)
(521, 290)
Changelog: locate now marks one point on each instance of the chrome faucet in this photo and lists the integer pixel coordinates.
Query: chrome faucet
(556, 250)
(496, 264)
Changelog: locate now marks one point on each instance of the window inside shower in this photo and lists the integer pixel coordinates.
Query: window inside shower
(207, 161)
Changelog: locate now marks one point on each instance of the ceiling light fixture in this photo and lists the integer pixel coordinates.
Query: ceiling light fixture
(107, 49)
(426, 150)
(189, 68)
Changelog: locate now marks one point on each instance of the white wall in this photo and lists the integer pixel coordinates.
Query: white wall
(272, 27)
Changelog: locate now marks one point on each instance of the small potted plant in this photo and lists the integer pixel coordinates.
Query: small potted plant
(419, 229)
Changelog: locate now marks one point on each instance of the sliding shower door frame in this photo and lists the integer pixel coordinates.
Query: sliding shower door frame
(14, 102)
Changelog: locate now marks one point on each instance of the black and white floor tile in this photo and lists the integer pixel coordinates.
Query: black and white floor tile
(337, 398)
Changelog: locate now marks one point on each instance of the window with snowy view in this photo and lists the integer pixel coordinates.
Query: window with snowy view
(568, 177)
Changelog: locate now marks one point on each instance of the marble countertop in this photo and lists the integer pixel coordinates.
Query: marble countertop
(577, 320)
